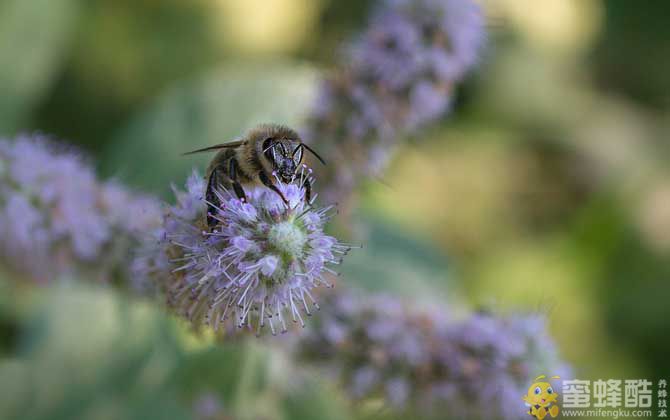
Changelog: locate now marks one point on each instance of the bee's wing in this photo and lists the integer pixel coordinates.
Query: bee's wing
(216, 147)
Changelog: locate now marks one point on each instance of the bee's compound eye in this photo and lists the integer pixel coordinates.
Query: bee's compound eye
(267, 143)
(538, 390)
(297, 155)
(550, 390)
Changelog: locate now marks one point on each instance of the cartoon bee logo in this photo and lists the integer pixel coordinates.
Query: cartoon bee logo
(542, 399)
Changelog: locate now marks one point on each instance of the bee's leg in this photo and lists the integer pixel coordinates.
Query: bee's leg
(213, 202)
(232, 172)
(307, 185)
(268, 183)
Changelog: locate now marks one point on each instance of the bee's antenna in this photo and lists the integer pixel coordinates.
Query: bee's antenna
(313, 152)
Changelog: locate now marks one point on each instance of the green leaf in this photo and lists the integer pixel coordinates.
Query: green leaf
(34, 36)
(315, 400)
(391, 261)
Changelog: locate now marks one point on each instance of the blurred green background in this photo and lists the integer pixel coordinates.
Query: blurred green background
(547, 189)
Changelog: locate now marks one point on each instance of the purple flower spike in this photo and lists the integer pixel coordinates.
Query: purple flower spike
(257, 267)
(57, 219)
(398, 77)
(379, 347)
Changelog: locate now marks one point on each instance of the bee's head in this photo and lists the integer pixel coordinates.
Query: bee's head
(285, 155)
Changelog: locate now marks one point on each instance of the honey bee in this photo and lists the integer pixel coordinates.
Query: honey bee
(265, 151)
